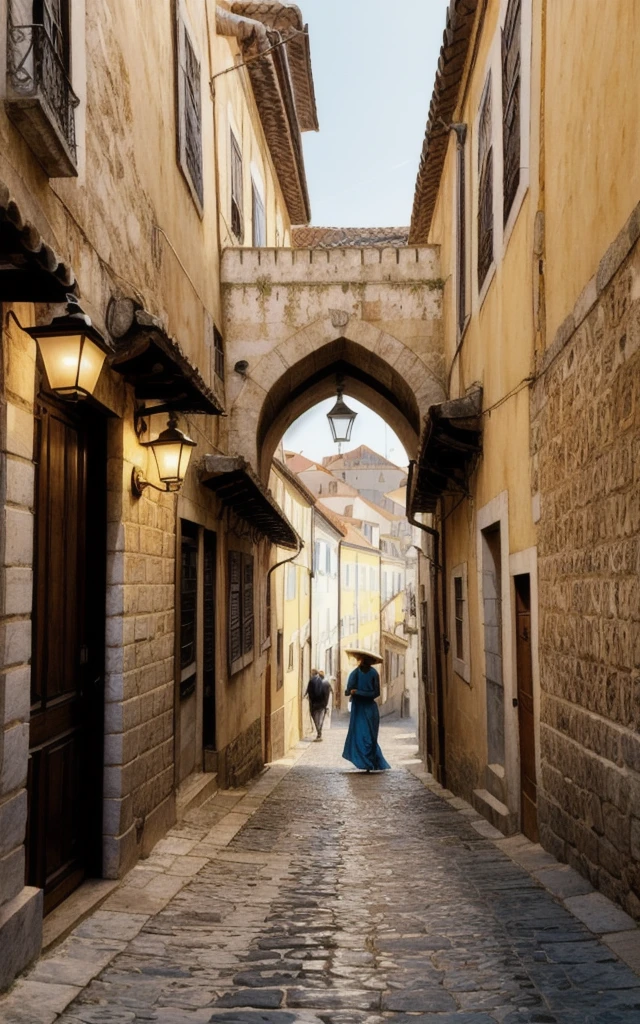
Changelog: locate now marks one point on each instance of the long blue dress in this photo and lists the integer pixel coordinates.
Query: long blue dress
(361, 745)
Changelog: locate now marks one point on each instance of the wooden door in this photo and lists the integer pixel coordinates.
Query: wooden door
(528, 786)
(64, 781)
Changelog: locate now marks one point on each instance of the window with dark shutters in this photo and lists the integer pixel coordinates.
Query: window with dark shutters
(241, 614)
(193, 117)
(247, 605)
(461, 226)
(485, 187)
(511, 36)
(218, 353)
(189, 121)
(237, 205)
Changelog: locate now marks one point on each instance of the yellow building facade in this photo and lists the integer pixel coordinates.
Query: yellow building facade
(287, 718)
(359, 598)
(529, 183)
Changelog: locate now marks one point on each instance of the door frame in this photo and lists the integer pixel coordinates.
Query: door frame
(524, 563)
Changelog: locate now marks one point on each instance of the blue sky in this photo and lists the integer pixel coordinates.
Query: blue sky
(374, 65)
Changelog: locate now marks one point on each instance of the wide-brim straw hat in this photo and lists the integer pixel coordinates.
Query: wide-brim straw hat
(359, 652)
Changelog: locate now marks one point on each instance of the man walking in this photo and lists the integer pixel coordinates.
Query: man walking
(318, 691)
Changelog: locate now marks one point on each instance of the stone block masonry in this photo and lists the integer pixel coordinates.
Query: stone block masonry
(586, 460)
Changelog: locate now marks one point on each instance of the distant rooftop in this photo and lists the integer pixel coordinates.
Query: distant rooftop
(342, 238)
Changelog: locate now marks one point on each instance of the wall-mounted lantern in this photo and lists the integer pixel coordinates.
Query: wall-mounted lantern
(72, 351)
(172, 450)
(341, 418)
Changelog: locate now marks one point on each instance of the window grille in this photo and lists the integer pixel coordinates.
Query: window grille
(258, 217)
(485, 187)
(237, 205)
(188, 601)
(511, 36)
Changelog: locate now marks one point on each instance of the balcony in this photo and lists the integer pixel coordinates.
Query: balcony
(39, 100)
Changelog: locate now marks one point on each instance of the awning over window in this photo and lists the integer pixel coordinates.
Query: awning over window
(30, 270)
(239, 489)
(451, 443)
(153, 362)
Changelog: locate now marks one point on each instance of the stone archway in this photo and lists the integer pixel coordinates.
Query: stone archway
(295, 318)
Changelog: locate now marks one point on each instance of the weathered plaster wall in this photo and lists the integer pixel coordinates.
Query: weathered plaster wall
(283, 310)
(585, 445)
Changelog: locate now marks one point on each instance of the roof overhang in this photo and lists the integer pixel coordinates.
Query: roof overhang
(451, 443)
(30, 270)
(155, 365)
(240, 490)
(282, 112)
(444, 100)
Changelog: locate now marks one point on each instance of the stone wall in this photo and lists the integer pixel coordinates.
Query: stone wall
(20, 906)
(139, 671)
(586, 458)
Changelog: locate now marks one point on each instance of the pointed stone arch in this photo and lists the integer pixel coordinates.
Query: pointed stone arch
(379, 370)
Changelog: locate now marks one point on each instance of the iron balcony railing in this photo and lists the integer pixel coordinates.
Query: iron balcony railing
(35, 69)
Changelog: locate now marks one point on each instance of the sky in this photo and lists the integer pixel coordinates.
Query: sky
(311, 436)
(374, 65)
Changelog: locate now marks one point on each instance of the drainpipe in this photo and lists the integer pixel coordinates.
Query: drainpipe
(438, 619)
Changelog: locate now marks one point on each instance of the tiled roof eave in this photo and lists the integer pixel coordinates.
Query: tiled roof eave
(453, 56)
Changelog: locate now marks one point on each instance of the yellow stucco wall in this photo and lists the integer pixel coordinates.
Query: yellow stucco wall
(592, 143)
(497, 352)
(362, 605)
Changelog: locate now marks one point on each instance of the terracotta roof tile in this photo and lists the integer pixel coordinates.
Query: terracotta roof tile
(337, 238)
(453, 54)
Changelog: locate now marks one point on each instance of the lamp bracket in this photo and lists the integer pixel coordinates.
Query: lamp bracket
(139, 483)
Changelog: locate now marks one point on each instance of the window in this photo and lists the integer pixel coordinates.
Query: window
(333, 487)
(190, 115)
(292, 577)
(258, 217)
(328, 559)
(461, 226)
(367, 529)
(279, 665)
(459, 612)
(188, 608)
(237, 190)
(267, 611)
(372, 579)
(241, 620)
(290, 659)
(485, 187)
(218, 354)
(511, 37)
(317, 550)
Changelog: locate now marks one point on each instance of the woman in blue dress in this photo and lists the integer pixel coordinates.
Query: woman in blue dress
(361, 746)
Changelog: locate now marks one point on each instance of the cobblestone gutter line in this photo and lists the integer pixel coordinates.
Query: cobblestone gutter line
(601, 916)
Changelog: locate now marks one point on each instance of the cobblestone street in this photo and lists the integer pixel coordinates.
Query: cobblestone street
(324, 894)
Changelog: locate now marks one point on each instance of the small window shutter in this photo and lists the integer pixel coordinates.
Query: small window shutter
(259, 218)
(237, 206)
(247, 605)
(193, 117)
(485, 187)
(511, 36)
(235, 610)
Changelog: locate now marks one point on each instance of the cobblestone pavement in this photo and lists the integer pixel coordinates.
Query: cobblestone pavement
(330, 896)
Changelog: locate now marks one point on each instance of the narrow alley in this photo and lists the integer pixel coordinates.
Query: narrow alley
(325, 894)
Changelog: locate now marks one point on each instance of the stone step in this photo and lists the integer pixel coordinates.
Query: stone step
(494, 781)
(495, 811)
(195, 791)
